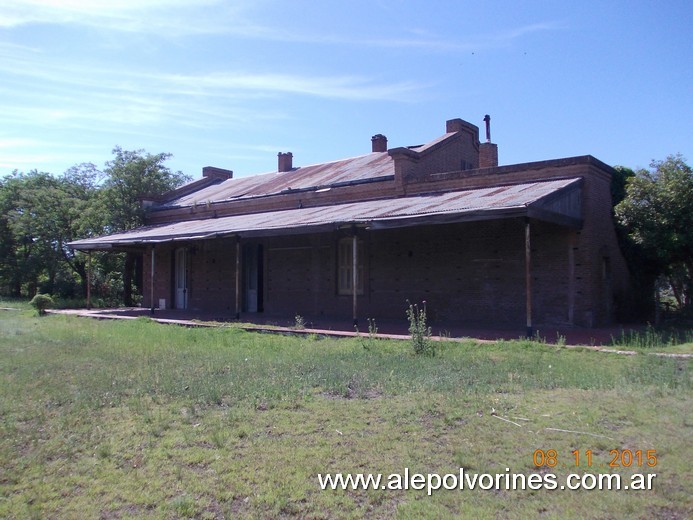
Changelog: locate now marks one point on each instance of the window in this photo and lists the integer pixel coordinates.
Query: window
(606, 268)
(345, 260)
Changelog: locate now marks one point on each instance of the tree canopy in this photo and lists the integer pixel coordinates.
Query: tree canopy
(40, 213)
(657, 214)
(129, 177)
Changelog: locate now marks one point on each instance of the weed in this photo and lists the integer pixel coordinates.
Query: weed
(370, 341)
(219, 437)
(184, 506)
(299, 322)
(104, 450)
(420, 331)
(652, 337)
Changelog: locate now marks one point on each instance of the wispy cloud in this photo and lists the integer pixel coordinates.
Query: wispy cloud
(413, 39)
(172, 18)
(28, 63)
(36, 90)
(340, 87)
(518, 32)
(122, 15)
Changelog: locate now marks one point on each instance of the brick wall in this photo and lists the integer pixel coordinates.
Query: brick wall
(470, 273)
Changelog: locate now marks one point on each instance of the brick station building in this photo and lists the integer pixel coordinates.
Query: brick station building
(484, 245)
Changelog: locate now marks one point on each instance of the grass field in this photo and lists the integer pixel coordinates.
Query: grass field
(135, 419)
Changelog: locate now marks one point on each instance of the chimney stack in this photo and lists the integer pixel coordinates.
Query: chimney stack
(455, 125)
(379, 143)
(217, 173)
(488, 152)
(285, 162)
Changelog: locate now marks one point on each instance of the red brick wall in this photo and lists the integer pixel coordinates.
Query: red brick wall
(212, 282)
(162, 276)
(471, 273)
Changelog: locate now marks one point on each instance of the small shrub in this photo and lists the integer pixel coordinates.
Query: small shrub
(420, 331)
(41, 302)
(299, 322)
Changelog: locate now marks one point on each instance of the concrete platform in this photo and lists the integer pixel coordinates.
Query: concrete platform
(391, 329)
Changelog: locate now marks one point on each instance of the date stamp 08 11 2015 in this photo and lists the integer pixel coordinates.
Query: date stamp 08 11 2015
(624, 458)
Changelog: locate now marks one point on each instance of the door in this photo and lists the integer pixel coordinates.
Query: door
(181, 284)
(252, 278)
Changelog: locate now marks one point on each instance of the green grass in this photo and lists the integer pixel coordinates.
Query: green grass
(670, 340)
(135, 419)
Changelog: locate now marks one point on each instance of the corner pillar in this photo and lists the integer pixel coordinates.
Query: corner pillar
(238, 277)
(528, 278)
(354, 276)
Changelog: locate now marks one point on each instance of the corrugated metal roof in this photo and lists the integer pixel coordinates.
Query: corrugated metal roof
(377, 165)
(455, 206)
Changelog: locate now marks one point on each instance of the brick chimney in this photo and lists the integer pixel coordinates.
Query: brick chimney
(488, 155)
(217, 173)
(454, 125)
(488, 152)
(285, 161)
(379, 143)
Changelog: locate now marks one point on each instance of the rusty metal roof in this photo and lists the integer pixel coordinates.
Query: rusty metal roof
(366, 168)
(534, 199)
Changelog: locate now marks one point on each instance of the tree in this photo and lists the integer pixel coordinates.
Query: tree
(39, 215)
(657, 213)
(130, 177)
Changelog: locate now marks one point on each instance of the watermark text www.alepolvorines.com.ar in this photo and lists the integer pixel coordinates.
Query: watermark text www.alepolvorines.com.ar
(464, 480)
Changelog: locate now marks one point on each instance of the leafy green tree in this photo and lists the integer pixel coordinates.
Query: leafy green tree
(81, 184)
(657, 213)
(38, 219)
(643, 274)
(130, 177)
(40, 213)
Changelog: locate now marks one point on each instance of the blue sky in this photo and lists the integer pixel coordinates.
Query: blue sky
(231, 83)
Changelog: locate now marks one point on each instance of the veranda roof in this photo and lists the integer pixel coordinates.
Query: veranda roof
(556, 201)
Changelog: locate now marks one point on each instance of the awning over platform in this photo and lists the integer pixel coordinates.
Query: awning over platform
(556, 201)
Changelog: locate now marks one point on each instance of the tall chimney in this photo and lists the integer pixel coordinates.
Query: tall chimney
(379, 143)
(488, 151)
(285, 161)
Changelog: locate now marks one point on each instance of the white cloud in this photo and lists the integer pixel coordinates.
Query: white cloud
(185, 17)
(147, 90)
(157, 16)
(341, 87)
